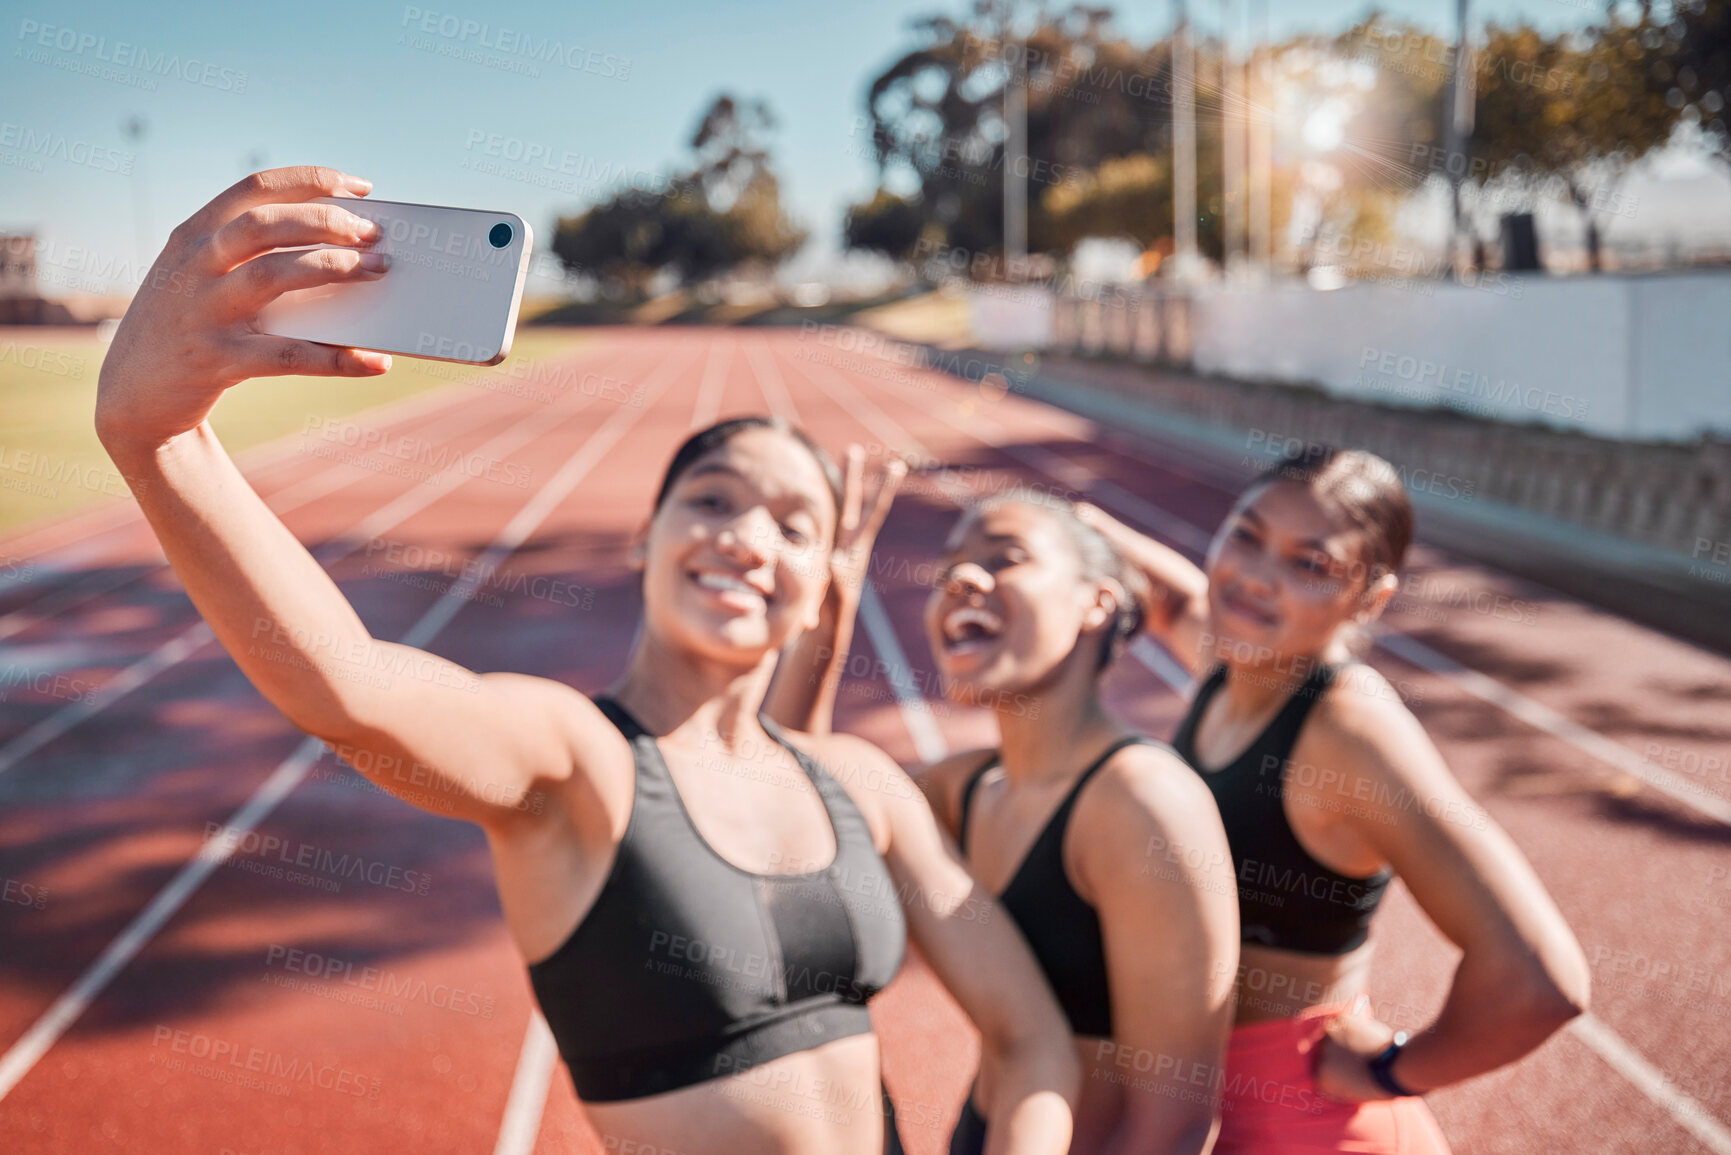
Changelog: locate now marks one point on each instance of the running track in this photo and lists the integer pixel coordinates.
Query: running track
(140, 957)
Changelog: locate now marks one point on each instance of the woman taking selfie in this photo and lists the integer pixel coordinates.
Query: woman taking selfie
(1329, 789)
(1101, 844)
(671, 811)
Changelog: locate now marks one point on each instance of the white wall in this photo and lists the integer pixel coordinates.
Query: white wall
(1620, 356)
(1011, 317)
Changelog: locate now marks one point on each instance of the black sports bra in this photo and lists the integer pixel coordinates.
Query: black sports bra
(1286, 898)
(1061, 928)
(688, 968)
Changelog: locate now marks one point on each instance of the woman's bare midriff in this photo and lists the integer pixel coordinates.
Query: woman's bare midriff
(1278, 984)
(825, 1101)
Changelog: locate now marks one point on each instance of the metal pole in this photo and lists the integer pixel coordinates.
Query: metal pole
(1232, 133)
(1261, 132)
(1459, 132)
(1015, 160)
(134, 129)
(1183, 145)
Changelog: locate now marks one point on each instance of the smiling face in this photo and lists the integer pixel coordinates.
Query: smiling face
(1014, 604)
(1285, 571)
(736, 559)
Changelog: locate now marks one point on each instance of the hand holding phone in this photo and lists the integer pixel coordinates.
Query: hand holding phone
(192, 328)
(451, 294)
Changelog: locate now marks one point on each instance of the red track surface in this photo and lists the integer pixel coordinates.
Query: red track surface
(102, 811)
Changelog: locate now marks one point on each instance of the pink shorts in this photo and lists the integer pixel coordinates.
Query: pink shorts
(1270, 1105)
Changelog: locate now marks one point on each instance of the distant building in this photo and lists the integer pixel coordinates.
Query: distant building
(18, 266)
(21, 300)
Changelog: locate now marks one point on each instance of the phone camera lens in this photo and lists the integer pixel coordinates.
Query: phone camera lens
(500, 236)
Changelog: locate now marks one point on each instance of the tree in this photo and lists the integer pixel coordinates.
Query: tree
(1579, 111)
(722, 213)
(1696, 71)
(886, 224)
(937, 115)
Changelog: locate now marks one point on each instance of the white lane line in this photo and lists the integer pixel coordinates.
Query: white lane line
(1542, 717)
(1624, 1059)
(1145, 650)
(46, 1031)
(528, 1099)
(52, 603)
(1627, 1062)
(929, 741)
(708, 406)
(188, 641)
(770, 381)
(172, 652)
(252, 463)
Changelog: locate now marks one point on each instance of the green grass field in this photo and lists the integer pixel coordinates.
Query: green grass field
(51, 462)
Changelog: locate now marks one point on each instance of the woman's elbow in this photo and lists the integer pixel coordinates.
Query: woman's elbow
(1548, 997)
(1045, 1053)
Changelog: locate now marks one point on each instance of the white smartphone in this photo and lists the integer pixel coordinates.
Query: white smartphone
(451, 293)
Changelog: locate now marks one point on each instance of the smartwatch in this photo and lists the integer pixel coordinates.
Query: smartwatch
(1381, 1067)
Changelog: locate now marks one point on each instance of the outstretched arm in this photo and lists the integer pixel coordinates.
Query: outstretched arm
(437, 733)
(1177, 610)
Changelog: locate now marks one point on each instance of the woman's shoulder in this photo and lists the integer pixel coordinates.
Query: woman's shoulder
(1143, 810)
(1147, 777)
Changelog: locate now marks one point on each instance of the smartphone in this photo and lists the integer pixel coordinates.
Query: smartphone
(451, 293)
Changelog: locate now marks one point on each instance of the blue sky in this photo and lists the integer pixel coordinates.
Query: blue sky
(361, 86)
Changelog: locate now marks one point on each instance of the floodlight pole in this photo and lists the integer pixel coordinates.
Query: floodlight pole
(1183, 145)
(1232, 126)
(1460, 128)
(1261, 132)
(1015, 157)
